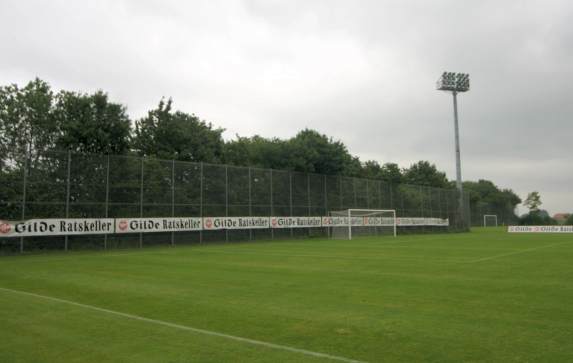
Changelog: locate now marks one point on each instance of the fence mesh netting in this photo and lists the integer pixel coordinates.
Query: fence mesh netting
(70, 185)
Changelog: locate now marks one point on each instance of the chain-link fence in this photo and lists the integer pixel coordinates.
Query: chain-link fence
(504, 214)
(70, 185)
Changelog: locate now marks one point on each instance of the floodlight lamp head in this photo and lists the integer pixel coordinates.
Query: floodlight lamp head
(455, 82)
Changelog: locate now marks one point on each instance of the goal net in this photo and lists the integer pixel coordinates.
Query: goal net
(490, 220)
(350, 223)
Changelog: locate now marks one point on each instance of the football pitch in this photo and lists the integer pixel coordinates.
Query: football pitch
(480, 296)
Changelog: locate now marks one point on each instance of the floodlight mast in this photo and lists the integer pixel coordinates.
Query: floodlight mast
(456, 82)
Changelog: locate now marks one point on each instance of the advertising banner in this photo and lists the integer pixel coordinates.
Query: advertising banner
(55, 227)
(74, 226)
(214, 223)
(540, 229)
(168, 224)
(296, 222)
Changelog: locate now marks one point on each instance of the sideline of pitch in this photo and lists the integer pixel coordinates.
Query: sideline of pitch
(185, 327)
(516, 252)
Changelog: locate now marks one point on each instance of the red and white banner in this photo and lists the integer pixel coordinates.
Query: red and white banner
(296, 222)
(55, 227)
(384, 221)
(411, 222)
(214, 223)
(170, 224)
(540, 229)
(73, 226)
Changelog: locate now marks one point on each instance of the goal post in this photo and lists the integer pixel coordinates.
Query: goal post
(489, 220)
(349, 223)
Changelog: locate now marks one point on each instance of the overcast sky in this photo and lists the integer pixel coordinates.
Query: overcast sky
(363, 72)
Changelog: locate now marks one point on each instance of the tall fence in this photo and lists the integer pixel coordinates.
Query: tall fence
(70, 185)
(505, 214)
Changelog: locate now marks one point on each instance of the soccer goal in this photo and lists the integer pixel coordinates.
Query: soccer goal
(349, 223)
(490, 220)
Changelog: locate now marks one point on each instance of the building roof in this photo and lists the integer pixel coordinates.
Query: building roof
(561, 216)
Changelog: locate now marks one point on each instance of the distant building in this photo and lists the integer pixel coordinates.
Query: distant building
(561, 217)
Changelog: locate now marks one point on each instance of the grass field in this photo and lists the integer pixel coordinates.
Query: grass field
(480, 296)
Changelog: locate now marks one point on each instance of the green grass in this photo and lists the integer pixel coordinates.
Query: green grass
(480, 296)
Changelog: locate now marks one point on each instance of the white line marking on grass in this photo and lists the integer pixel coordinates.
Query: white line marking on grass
(187, 328)
(516, 253)
(330, 257)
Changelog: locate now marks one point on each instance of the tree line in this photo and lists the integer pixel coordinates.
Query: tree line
(34, 119)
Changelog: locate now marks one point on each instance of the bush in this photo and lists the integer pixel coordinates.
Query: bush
(537, 218)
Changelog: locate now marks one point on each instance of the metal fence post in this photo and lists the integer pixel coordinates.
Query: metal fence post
(421, 201)
(201, 199)
(325, 197)
(226, 200)
(308, 200)
(440, 203)
(250, 205)
(326, 205)
(173, 198)
(448, 209)
(367, 194)
(380, 194)
(141, 202)
(340, 192)
(290, 198)
(402, 204)
(272, 207)
(68, 195)
(422, 197)
(106, 200)
(354, 192)
(392, 196)
(24, 187)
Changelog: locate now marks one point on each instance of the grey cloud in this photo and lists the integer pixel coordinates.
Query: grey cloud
(363, 72)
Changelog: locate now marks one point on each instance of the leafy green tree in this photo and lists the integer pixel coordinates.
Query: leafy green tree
(27, 127)
(533, 201)
(166, 134)
(487, 198)
(371, 169)
(425, 174)
(91, 123)
(537, 217)
(391, 172)
(569, 220)
(313, 152)
(259, 152)
(309, 151)
(481, 191)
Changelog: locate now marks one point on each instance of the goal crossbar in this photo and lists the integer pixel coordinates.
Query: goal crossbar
(486, 216)
(351, 213)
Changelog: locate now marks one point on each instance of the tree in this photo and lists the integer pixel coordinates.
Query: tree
(533, 201)
(257, 151)
(425, 174)
(391, 173)
(538, 217)
(91, 124)
(177, 135)
(371, 169)
(487, 198)
(569, 220)
(310, 151)
(535, 216)
(27, 127)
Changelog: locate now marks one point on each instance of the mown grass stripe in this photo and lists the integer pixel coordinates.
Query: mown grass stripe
(187, 328)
